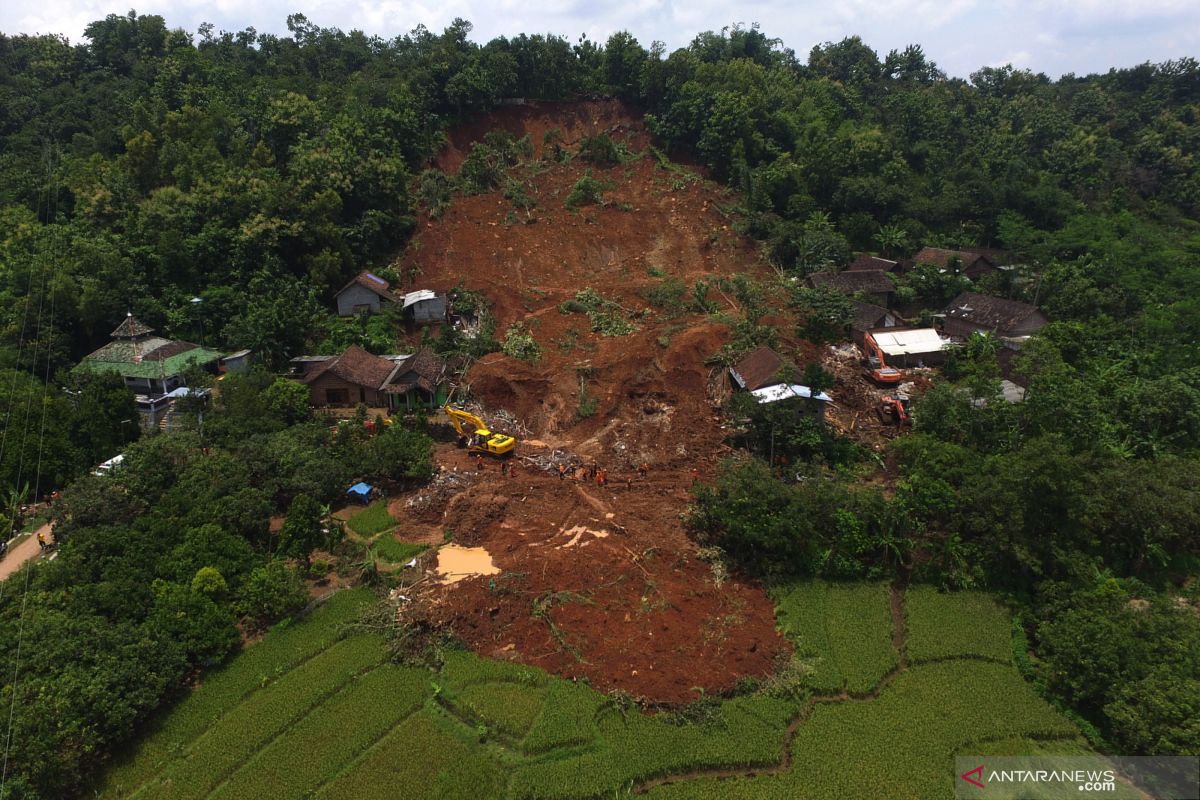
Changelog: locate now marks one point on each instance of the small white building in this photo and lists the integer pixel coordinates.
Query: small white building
(794, 391)
(425, 306)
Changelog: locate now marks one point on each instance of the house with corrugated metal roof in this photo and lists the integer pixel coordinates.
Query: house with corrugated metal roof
(364, 294)
(425, 306)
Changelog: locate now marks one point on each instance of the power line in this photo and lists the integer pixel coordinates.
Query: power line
(56, 251)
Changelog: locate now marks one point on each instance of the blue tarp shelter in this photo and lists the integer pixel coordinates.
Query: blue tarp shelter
(360, 492)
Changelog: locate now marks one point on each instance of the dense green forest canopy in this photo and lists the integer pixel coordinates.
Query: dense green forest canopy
(148, 166)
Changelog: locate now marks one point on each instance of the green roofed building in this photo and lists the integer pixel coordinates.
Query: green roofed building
(152, 366)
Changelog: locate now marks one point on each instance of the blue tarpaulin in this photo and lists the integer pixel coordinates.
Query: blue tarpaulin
(360, 491)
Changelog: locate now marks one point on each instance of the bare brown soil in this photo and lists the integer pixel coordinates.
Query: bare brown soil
(596, 582)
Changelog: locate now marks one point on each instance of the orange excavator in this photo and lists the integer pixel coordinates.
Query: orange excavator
(895, 409)
(877, 368)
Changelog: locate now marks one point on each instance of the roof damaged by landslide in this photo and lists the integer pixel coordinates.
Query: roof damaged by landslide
(995, 313)
(757, 368)
(788, 391)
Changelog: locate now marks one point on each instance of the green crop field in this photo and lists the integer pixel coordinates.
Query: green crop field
(304, 714)
(279, 652)
(843, 631)
(372, 520)
(390, 549)
(954, 625)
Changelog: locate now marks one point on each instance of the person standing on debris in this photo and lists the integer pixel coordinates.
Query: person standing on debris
(479, 463)
(643, 470)
(562, 471)
(695, 476)
(602, 477)
(504, 468)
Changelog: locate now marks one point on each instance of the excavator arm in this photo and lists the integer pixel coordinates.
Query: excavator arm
(877, 367)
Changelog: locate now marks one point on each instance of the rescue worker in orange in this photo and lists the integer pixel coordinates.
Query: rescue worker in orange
(562, 471)
(479, 463)
(643, 470)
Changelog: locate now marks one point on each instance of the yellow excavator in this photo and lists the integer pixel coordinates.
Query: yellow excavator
(475, 433)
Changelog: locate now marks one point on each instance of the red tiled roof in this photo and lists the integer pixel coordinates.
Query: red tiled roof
(994, 313)
(940, 257)
(870, 262)
(870, 281)
(355, 366)
(867, 316)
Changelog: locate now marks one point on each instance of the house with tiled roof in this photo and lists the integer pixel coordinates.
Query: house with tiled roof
(873, 285)
(869, 317)
(972, 312)
(151, 365)
(394, 382)
(975, 264)
(866, 261)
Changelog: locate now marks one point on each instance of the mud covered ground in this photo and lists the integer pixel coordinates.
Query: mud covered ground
(595, 582)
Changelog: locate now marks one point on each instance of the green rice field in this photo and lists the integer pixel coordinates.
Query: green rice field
(307, 713)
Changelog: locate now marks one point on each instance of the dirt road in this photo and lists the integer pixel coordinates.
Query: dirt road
(26, 550)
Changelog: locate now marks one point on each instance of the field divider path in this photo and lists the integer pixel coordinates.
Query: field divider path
(899, 641)
(296, 761)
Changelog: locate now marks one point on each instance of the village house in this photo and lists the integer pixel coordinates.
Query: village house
(364, 294)
(972, 312)
(973, 264)
(758, 368)
(869, 317)
(866, 262)
(764, 374)
(802, 398)
(153, 367)
(394, 382)
(873, 285)
(424, 307)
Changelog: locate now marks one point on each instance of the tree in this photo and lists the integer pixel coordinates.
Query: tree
(288, 400)
(892, 239)
(399, 454)
(302, 532)
(271, 593)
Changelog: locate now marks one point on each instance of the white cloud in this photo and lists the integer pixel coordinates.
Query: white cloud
(1052, 36)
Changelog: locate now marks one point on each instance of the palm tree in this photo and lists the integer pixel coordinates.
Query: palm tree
(891, 239)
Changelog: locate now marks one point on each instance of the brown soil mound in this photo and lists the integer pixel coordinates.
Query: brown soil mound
(599, 582)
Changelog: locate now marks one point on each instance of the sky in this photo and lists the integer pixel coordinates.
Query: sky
(1050, 36)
